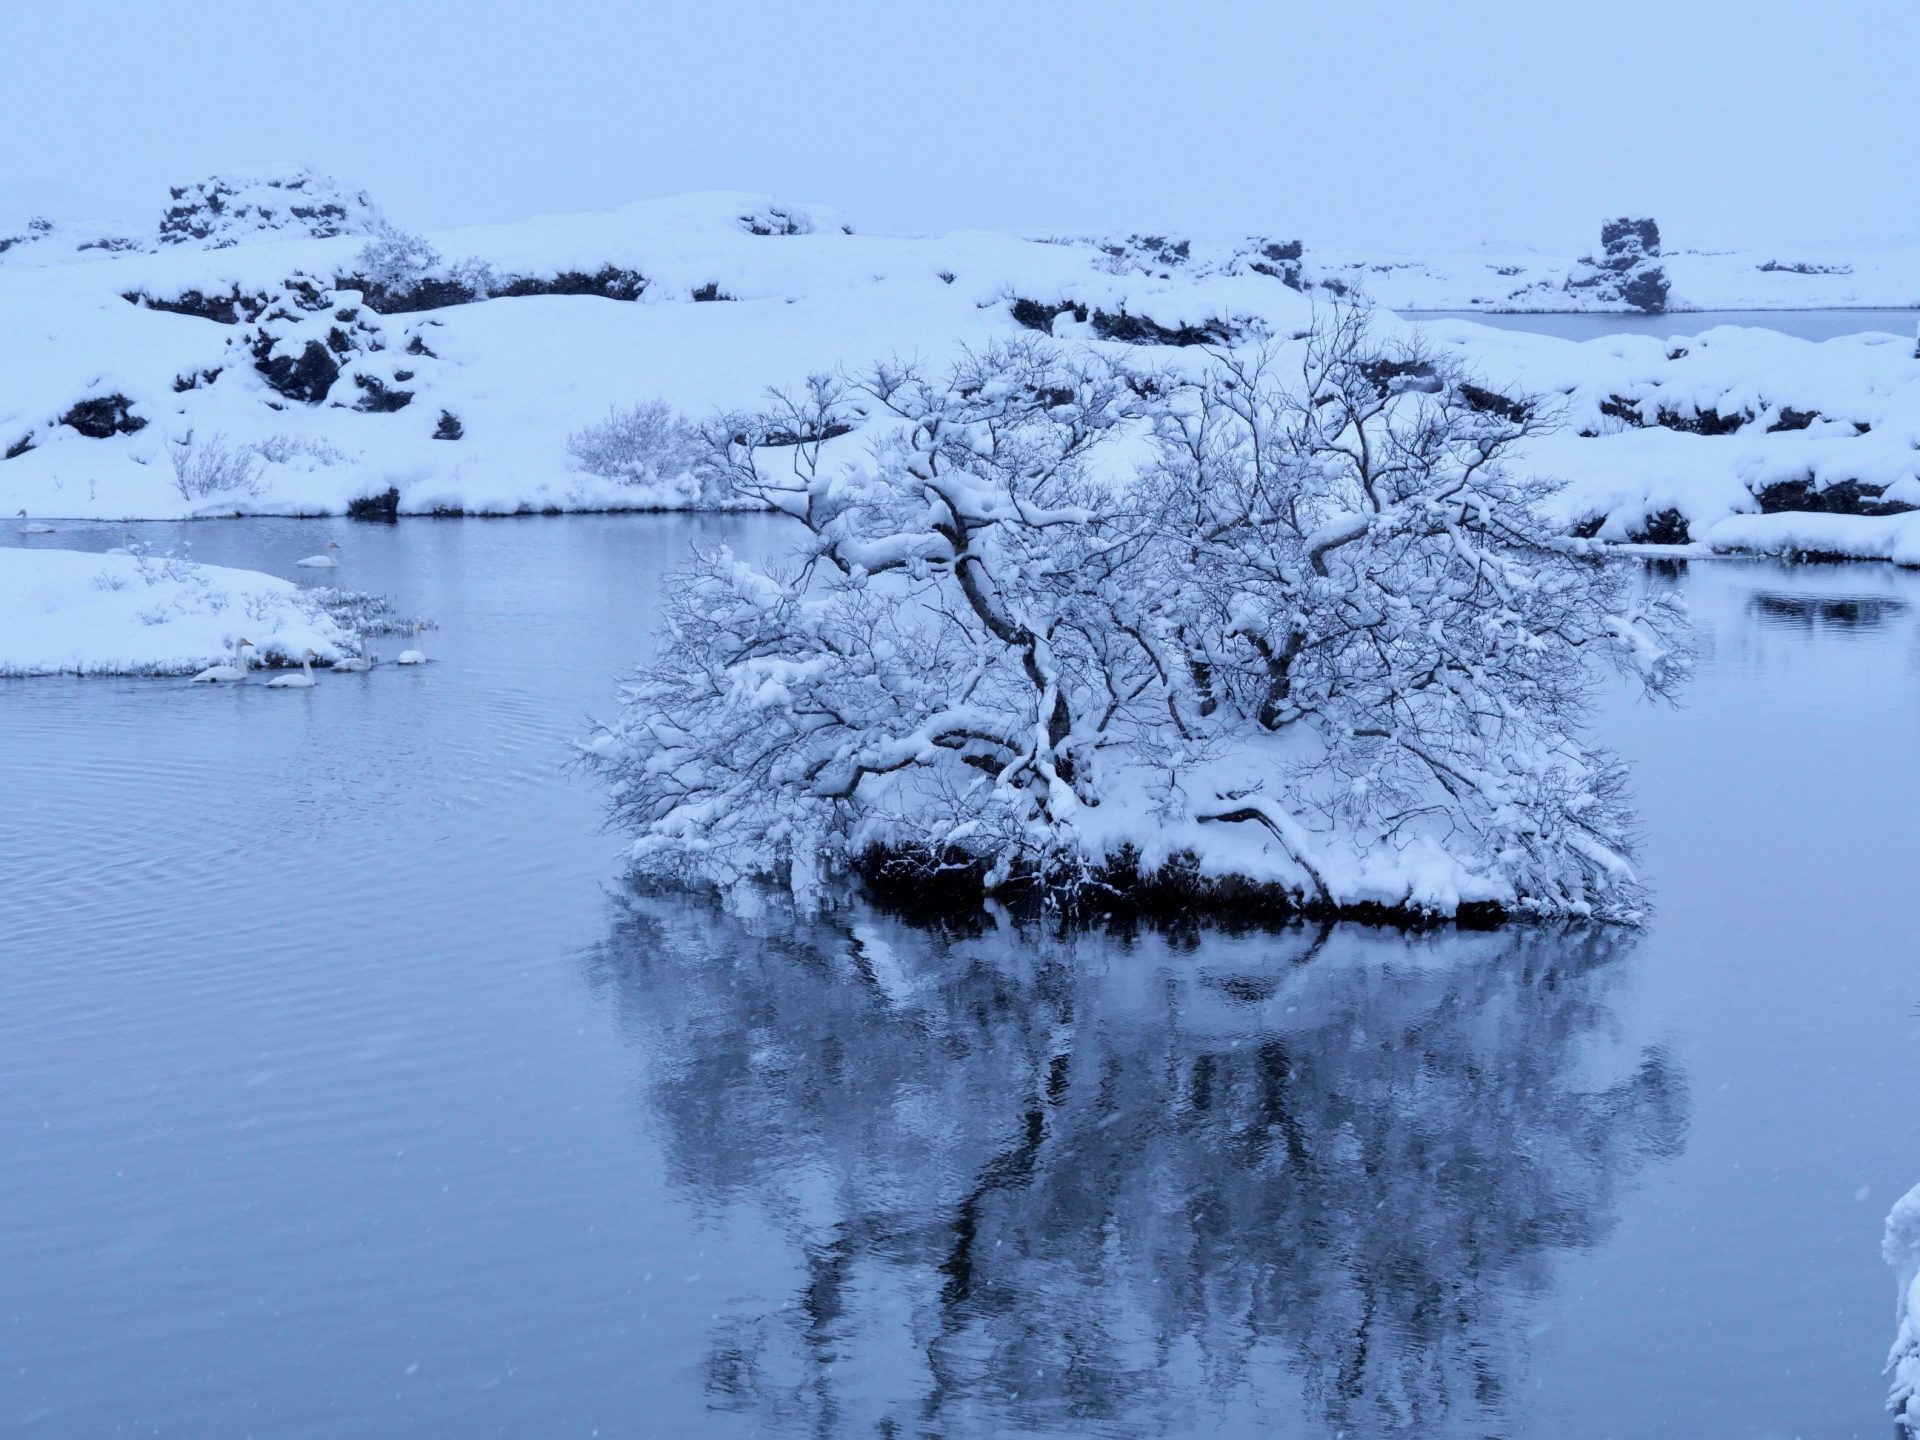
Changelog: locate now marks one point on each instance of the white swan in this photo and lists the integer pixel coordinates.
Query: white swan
(302, 681)
(33, 527)
(415, 655)
(236, 671)
(128, 545)
(324, 560)
(356, 664)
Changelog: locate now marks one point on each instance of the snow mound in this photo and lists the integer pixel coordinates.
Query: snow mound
(1902, 1251)
(68, 612)
(224, 210)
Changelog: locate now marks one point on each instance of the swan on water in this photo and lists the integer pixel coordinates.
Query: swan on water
(357, 664)
(415, 655)
(127, 546)
(33, 527)
(324, 560)
(236, 671)
(302, 681)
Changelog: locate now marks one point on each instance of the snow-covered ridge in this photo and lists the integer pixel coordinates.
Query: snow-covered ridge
(447, 372)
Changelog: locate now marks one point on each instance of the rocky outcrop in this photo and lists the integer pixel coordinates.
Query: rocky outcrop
(1628, 271)
(222, 210)
(610, 282)
(103, 416)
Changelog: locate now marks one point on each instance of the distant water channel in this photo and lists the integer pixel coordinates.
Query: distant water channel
(1805, 324)
(345, 1092)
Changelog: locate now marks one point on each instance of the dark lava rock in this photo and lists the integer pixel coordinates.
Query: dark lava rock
(306, 379)
(228, 309)
(1802, 267)
(1629, 270)
(194, 380)
(377, 398)
(1628, 239)
(1669, 527)
(1846, 497)
(102, 416)
(1646, 290)
(610, 282)
(1792, 419)
(427, 294)
(385, 506)
(711, 291)
(1492, 402)
(1036, 316)
(1281, 260)
(449, 427)
(18, 448)
(1139, 330)
(417, 346)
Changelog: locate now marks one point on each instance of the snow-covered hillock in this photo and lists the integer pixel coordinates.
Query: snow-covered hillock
(1902, 1251)
(68, 612)
(1667, 439)
(454, 372)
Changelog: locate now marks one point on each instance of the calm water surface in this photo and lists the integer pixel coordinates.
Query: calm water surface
(344, 1093)
(1806, 324)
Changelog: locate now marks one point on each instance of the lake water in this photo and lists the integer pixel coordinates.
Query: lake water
(344, 1092)
(1807, 324)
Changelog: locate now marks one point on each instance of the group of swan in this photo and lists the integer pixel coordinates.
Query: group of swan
(353, 665)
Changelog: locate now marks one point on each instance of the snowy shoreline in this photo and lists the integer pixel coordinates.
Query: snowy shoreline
(255, 369)
(75, 612)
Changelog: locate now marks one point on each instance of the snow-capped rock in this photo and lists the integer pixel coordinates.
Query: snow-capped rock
(226, 209)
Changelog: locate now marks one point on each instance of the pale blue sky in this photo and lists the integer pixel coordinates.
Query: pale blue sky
(1349, 121)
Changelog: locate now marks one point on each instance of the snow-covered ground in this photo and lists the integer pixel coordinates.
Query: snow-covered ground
(1902, 1251)
(290, 386)
(69, 612)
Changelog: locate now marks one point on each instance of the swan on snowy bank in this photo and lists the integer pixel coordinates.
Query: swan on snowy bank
(236, 671)
(324, 560)
(412, 655)
(302, 681)
(32, 527)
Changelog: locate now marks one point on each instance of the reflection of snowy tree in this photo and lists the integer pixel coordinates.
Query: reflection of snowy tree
(1110, 1181)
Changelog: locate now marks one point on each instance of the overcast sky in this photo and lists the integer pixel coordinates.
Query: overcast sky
(1391, 125)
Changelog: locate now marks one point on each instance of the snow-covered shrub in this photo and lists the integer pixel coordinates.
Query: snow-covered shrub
(209, 466)
(476, 276)
(649, 446)
(1322, 640)
(292, 449)
(396, 259)
(1902, 1251)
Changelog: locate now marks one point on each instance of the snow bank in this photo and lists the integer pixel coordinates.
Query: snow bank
(460, 393)
(68, 612)
(1902, 1251)
(1824, 537)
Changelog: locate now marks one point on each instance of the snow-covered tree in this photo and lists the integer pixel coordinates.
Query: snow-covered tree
(1073, 626)
(396, 259)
